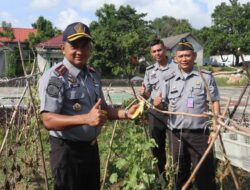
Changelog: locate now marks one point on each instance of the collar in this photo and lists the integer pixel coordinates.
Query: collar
(157, 66)
(73, 70)
(179, 74)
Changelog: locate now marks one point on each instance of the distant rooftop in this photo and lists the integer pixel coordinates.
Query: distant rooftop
(54, 42)
(21, 34)
(173, 40)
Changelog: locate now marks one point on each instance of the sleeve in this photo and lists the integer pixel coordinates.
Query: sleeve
(146, 82)
(104, 103)
(214, 91)
(164, 89)
(51, 93)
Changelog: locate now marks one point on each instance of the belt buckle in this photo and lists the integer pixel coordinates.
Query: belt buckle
(93, 142)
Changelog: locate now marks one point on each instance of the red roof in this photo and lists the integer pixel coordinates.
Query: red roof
(21, 34)
(54, 42)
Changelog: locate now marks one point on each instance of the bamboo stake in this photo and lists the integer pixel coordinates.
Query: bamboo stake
(146, 134)
(215, 123)
(234, 130)
(109, 154)
(37, 121)
(149, 105)
(12, 119)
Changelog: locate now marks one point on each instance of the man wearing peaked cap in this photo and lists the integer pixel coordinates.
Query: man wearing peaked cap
(190, 136)
(74, 110)
(75, 31)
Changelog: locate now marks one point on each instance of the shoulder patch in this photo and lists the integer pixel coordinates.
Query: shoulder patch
(150, 67)
(205, 71)
(60, 70)
(54, 86)
(168, 77)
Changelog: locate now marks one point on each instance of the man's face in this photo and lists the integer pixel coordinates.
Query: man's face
(185, 59)
(77, 52)
(158, 52)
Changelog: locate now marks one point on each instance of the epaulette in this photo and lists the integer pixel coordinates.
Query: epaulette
(91, 69)
(206, 71)
(150, 67)
(60, 70)
(168, 77)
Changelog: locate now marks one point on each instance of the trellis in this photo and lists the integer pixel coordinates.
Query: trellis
(22, 132)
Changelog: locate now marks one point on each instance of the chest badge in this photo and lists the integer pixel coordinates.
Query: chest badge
(77, 107)
(153, 75)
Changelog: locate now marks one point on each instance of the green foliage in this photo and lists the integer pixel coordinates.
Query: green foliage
(131, 162)
(167, 26)
(7, 31)
(13, 65)
(230, 30)
(119, 36)
(45, 30)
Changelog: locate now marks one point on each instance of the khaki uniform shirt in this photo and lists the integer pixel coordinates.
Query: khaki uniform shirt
(188, 94)
(68, 90)
(153, 79)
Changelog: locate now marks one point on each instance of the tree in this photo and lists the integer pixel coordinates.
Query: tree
(167, 26)
(121, 38)
(45, 30)
(230, 30)
(7, 31)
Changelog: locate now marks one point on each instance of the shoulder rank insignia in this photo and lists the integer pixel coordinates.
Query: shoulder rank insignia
(150, 67)
(71, 78)
(54, 86)
(60, 70)
(168, 77)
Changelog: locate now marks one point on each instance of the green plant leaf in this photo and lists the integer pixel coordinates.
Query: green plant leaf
(113, 178)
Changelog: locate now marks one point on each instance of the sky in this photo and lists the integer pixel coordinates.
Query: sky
(22, 13)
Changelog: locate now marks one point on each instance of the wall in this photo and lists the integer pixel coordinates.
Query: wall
(226, 60)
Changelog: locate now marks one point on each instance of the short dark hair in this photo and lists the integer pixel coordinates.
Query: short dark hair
(155, 42)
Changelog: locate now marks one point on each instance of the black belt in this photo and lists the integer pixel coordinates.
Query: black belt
(73, 143)
(198, 131)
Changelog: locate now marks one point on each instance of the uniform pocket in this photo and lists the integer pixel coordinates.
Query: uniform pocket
(74, 93)
(174, 94)
(153, 81)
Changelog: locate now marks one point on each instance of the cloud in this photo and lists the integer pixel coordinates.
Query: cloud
(192, 10)
(197, 12)
(5, 16)
(69, 16)
(44, 4)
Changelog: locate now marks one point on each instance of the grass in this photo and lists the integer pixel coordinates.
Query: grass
(223, 81)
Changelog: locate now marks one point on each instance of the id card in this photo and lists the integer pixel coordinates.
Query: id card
(190, 102)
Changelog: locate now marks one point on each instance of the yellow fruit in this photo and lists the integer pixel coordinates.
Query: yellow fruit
(139, 110)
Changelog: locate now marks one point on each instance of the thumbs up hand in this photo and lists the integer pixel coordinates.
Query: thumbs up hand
(143, 91)
(158, 100)
(97, 116)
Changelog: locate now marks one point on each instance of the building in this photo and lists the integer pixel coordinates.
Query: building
(49, 52)
(172, 42)
(8, 44)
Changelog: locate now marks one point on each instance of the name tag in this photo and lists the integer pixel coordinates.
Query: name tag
(190, 102)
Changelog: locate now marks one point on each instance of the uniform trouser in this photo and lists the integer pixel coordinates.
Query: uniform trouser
(157, 131)
(187, 149)
(74, 165)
